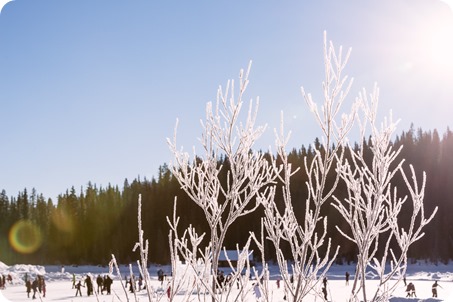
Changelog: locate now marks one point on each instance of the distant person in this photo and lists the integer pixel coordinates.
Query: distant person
(347, 278)
(89, 285)
(40, 278)
(140, 282)
(78, 290)
(108, 284)
(160, 276)
(404, 280)
(132, 284)
(34, 286)
(73, 281)
(410, 289)
(43, 286)
(28, 286)
(99, 282)
(434, 289)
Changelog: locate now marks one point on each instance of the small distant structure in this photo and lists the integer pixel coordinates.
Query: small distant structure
(233, 256)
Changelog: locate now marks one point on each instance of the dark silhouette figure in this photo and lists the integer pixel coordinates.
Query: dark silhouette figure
(160, 276)
(434, 289)
(40, 278)
(100, 283)
(89, 285)
(28, 286)
(108, 284)
(43, 286)
(140, 282)
(404, 280)
(78, 291)
(347, 278)
(131, 284)
(410, 289)
(34, 286)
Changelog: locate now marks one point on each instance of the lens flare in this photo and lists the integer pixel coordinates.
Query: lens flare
(25, 237)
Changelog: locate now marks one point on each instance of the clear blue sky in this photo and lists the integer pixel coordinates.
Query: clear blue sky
(90, 90)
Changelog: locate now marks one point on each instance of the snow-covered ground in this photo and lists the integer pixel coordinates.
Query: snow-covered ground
(59, 283)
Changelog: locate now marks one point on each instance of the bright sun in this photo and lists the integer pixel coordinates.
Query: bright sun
(442, 40)
(442, 47)
(433, 43)
(449, 3)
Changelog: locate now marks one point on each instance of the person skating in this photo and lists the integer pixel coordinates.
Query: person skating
(78, 290)
(347, 278)
(434, 289)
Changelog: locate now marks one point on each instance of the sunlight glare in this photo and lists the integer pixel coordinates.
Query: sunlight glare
(442, 47)
(449, 3)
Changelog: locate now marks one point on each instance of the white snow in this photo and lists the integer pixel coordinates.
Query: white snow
(59, 283)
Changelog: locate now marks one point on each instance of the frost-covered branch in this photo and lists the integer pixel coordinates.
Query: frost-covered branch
(282, 225)
(373, 205)
(247, 171)
(143, 248)
(192, 276)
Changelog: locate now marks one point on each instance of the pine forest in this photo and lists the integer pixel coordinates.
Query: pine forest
(87, 225)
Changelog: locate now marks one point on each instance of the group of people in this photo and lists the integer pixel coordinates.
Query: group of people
(410, 289)
(3, 280)
(134, 285)
(103, 284)
(37, 285)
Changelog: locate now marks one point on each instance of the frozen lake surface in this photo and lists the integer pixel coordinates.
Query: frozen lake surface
(59, 284)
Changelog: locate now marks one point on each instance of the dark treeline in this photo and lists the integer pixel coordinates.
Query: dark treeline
(89, 225)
